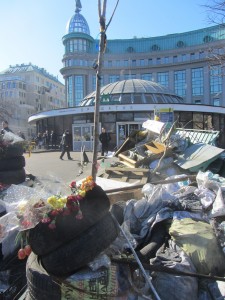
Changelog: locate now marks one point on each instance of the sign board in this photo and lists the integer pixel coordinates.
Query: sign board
(165, 115)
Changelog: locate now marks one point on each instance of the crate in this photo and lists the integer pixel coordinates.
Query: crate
(134, 162)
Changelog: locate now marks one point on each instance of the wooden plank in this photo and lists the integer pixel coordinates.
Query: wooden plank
(124, 178)
(143, 170)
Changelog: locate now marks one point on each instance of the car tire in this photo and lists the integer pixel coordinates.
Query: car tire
(13, 177)
(94, 206)
(11, 164)
(40, 284)
(77, 253)
(13, 150)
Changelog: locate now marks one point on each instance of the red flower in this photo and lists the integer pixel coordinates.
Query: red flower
(46, 220)
(73, 184)
(52, 225)
(79, 215)
(66, 212)
(72, 198)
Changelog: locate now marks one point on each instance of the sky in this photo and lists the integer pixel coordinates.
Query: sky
(31, 31)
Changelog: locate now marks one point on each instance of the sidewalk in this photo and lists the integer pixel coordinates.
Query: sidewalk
(45, 163)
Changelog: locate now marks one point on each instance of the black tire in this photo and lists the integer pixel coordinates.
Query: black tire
(13, 150)
(117, 210)
(40, 284)
(94, 206)
(13, 177)
(13, 163)
(83, 249)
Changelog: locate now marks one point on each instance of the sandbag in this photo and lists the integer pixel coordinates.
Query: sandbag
(198, 241)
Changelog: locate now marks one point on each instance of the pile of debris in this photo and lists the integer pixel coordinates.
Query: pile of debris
(165, 240)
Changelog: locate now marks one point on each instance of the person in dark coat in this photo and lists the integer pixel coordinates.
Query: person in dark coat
(5, 127)
(53, 139)
(104, 138)
(65, 143)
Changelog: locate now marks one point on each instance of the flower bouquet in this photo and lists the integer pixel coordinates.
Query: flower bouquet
(48, 221)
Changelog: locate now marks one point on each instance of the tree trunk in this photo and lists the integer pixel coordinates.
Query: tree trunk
(102, 43)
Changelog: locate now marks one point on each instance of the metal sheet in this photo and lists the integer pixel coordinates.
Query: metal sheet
(198, 157)
(198, 136)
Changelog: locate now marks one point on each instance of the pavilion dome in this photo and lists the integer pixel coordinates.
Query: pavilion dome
(133, 91)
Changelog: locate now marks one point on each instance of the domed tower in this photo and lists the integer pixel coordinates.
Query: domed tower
(78, 45)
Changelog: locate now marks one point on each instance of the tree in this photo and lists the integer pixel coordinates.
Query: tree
(6, 109)
(102, 46)
(216, 15)
(216, 11)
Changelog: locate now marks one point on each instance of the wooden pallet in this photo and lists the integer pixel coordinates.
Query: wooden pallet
(127, 174)
(130, 175)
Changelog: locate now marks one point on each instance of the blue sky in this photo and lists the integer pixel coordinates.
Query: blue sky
(32, 31)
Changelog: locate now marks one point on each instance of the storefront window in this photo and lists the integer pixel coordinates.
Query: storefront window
(125, 116)
(108, 117)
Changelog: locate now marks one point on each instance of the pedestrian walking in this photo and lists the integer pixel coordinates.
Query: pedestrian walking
(104, 138)
(65, 143)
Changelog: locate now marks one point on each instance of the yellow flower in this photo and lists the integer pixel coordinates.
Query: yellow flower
(52, 201)
(63, 200)
(82, 193)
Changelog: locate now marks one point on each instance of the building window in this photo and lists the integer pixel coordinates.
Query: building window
(134, 63)
(79, 93)
(201, 54)
(166, 60)
(126, 63)
(155, 48)
(129, 76)
(198, 102)
(163, 78)
(117, 63)
(216, 102)
(142, 62)
(180, 83)
(114, 78)
(183, 57)
(70, 91)
(158, 60)
(175, 59)
(147, 76)
(130, 49)
(192, 56)
(93, 83)
(180, 44)
(150, 61)
(215, 80)
(197, 81)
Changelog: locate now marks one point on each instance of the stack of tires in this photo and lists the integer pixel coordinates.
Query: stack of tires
(70, 246)
(12, 171)
(12, 163)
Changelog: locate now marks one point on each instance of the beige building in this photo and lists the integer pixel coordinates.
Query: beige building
(25, 90)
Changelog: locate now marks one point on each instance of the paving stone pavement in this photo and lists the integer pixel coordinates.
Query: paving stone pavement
(44, 164)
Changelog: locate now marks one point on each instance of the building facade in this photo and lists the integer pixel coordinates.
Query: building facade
(187, 65)
(26, 90)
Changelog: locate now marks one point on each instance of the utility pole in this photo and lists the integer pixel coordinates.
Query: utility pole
(102, 45)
